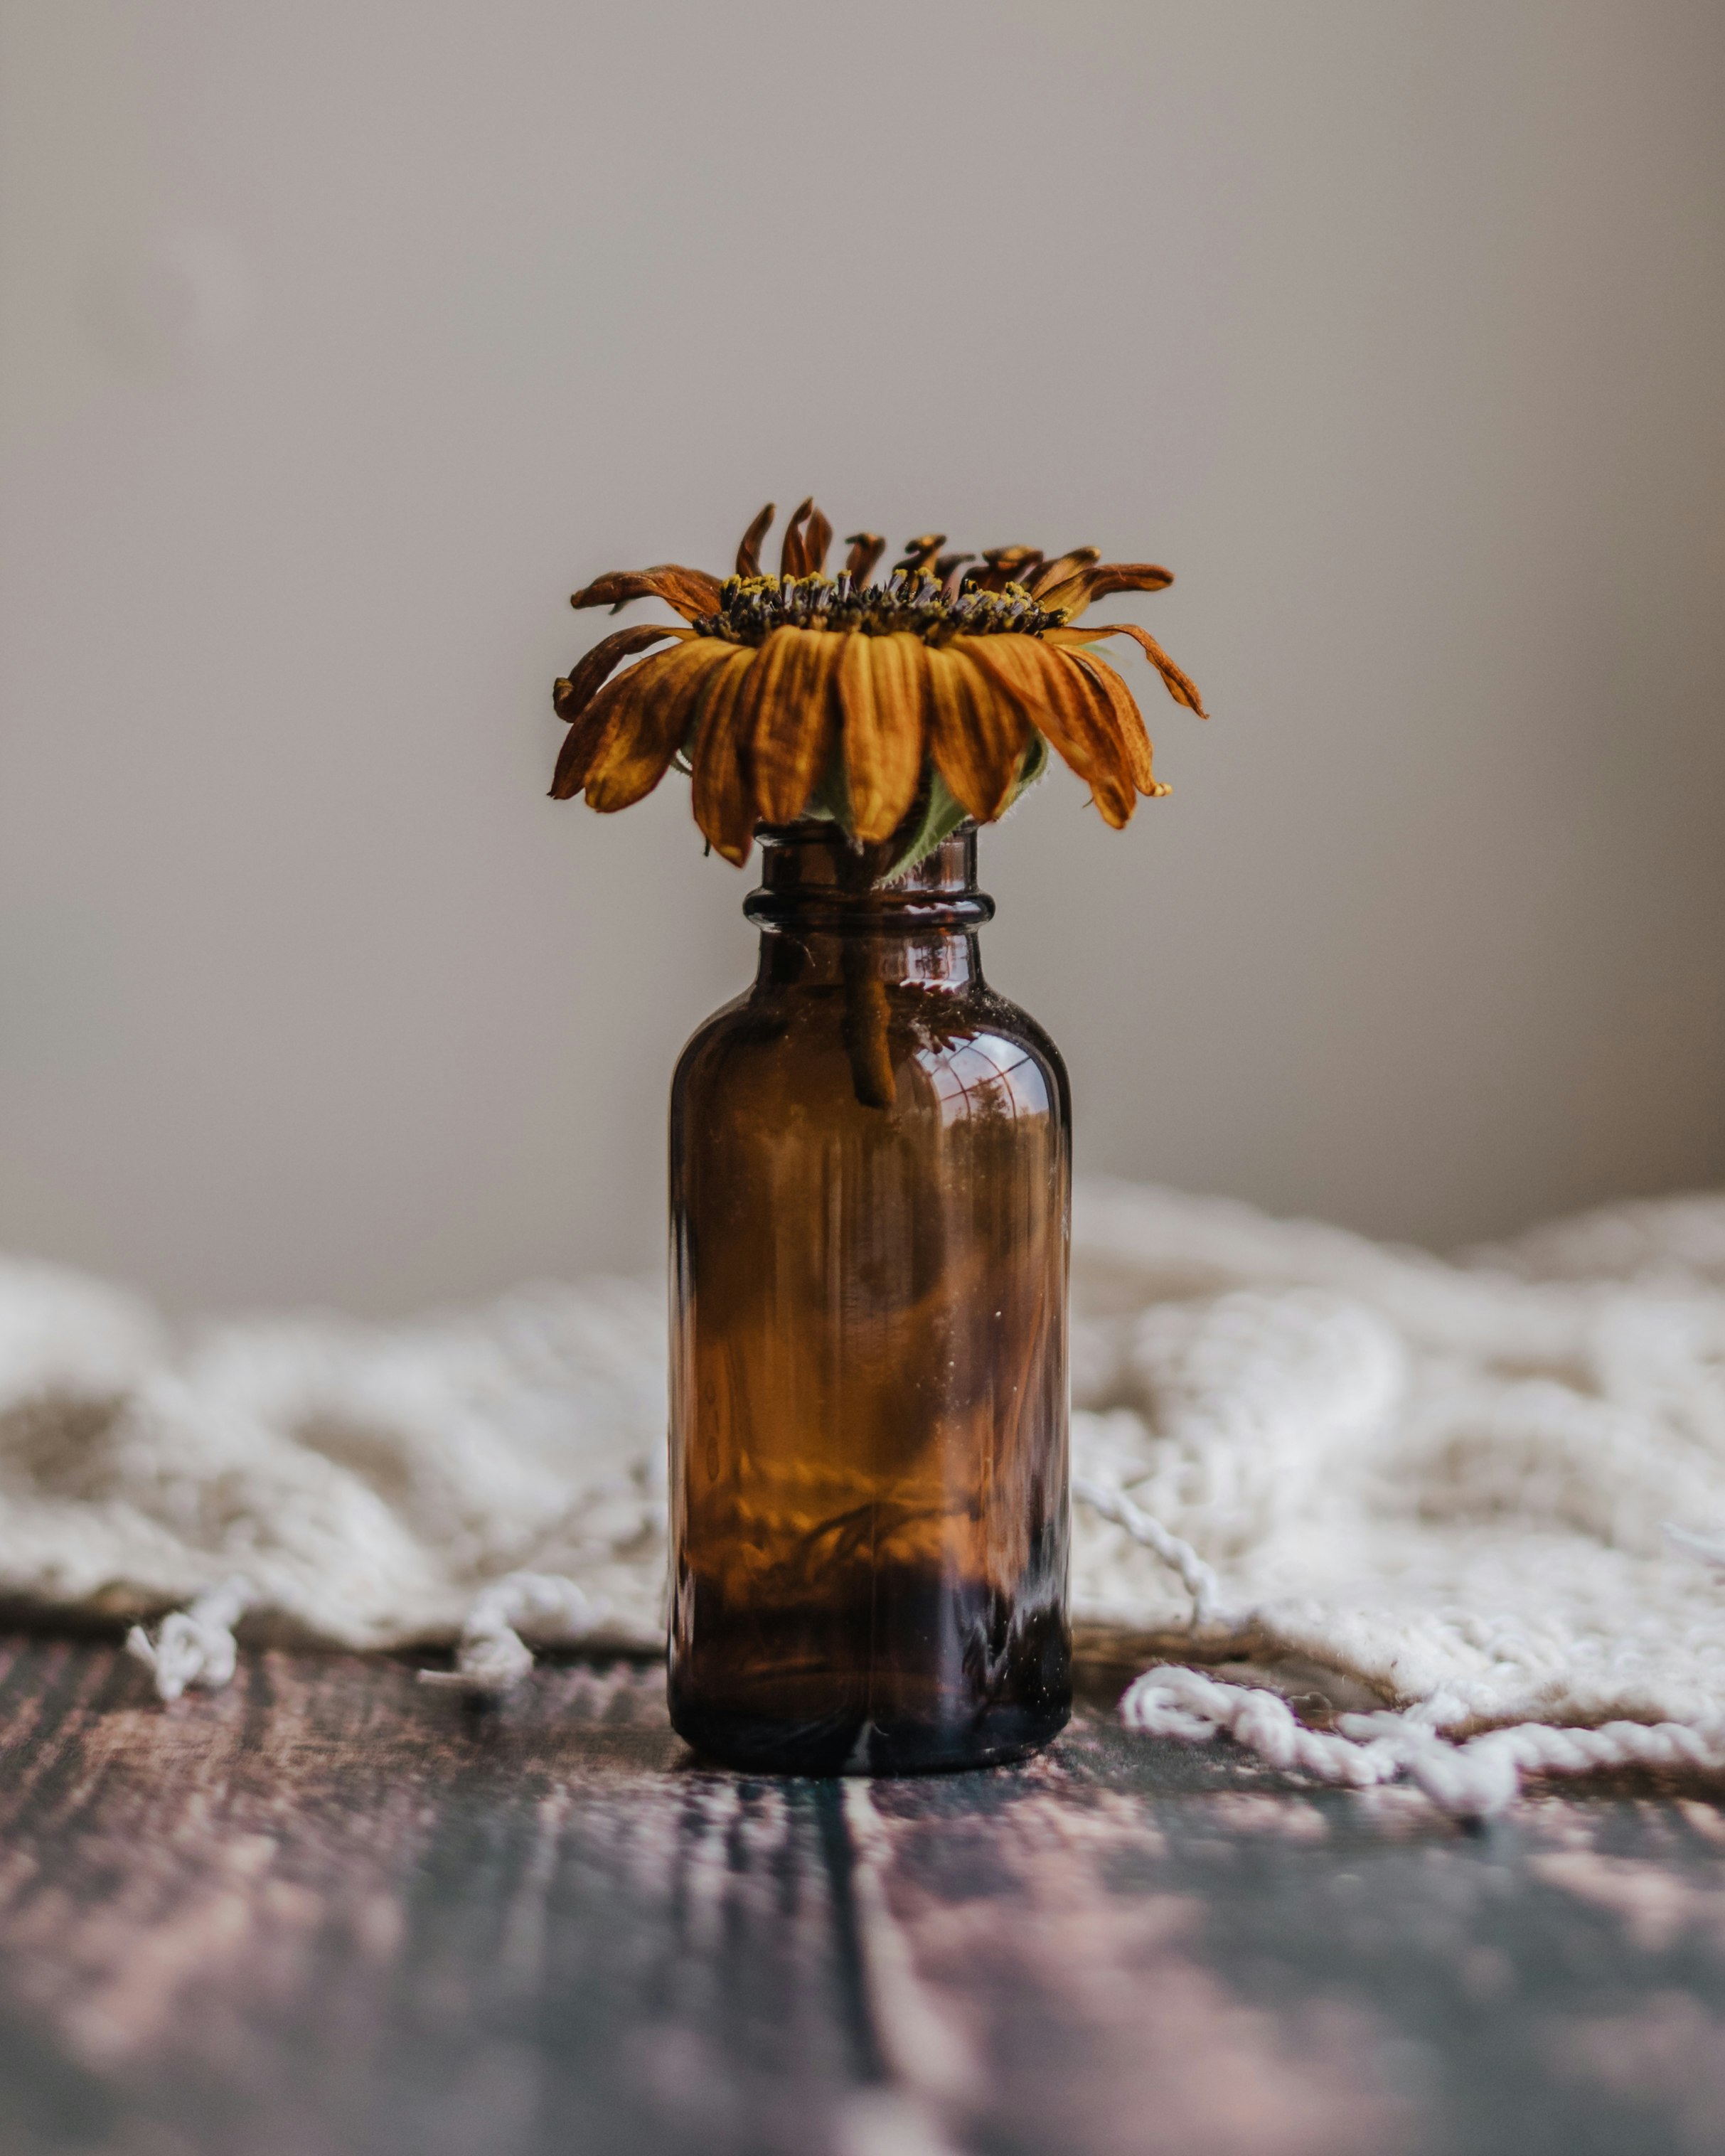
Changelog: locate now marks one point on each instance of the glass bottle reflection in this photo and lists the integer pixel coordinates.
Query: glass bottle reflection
(869, 1180)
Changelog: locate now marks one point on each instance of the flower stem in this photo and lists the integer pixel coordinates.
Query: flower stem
(864, 1026)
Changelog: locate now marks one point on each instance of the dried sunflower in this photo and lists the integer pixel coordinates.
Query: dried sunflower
(896, 708)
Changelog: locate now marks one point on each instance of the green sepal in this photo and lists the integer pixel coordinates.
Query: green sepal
(941, 814)
(830, 801)
(1030, 770)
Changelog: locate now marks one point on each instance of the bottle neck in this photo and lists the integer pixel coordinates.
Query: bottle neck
(821, 920)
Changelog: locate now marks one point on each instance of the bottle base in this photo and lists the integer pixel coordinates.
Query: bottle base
(852, 1744)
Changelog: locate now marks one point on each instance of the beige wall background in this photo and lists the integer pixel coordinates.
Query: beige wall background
(341, 338)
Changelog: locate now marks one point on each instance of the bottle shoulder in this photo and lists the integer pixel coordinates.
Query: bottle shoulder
(1009, 1021)
(969, 1051)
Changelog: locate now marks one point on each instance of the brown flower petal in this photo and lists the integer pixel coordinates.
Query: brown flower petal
(1053, 699)
(692, 592)
(793, 556)
(748, 551)
(590, 672)
(1058, 571)
(881, 699)
(978, 736)
(723, 805)
(1076, 592)
(1007, 565)
(920, 553)
(790, 719)
(867, 549)
(1128, 576)
(635, 755)
(1180, 685)
(1123, 713)
(816, 540)
(946, 572)
(614, 705)
(1093, 734)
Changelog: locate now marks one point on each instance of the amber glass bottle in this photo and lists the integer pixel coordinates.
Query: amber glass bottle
(870, 1188)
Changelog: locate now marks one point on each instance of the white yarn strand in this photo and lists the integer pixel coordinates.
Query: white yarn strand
(1198, 1578)
(195, 1646)
(1187, 1704)
(1477, 1779)
(491, 1657)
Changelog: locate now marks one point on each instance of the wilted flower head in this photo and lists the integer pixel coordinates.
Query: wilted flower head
(896, 709)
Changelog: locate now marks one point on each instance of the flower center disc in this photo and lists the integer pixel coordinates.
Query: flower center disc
(911, 603)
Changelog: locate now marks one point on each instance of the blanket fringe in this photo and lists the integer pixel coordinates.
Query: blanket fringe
(1476, 1779)
(1195, 1575)
(195, 1646)
(491, 1657)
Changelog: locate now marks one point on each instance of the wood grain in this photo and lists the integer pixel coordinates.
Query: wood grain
(331, 1911)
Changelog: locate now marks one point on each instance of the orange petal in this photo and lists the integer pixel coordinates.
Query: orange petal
(791, 719)
(614, 706)
(1053, 699)
(1123, 713)
(748, 552)
(589, 673)
(692, 592)
(883, 692)
(816, 539)
(867, 549)
(1180, 685)
(978, 736)
(722, 799)
(900, 667)
(793, 556)
(1091, 736)
(632, 759)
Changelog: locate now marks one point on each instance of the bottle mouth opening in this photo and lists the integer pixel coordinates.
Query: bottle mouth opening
(816, 850)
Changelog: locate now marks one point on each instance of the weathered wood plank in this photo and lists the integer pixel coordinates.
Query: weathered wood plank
(331, 1911)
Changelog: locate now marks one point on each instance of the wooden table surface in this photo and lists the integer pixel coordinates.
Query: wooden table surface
(330, 1910)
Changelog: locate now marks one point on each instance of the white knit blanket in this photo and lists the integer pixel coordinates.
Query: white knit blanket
(1447, 1483)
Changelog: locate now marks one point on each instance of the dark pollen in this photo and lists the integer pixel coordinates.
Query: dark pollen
(910, 603)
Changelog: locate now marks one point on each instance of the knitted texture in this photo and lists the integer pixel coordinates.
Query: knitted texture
(1449, 1483)
(1446, 1485)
